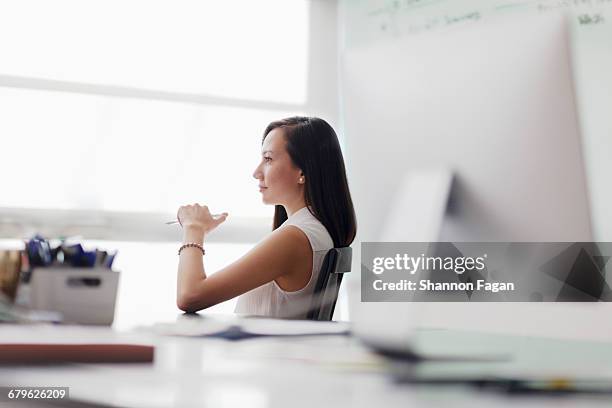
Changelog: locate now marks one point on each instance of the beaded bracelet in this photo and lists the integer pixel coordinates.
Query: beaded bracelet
(194, 245)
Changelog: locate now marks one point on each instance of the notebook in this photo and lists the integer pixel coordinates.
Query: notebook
(51, 353)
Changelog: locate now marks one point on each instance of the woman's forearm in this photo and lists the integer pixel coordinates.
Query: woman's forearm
(190, 270)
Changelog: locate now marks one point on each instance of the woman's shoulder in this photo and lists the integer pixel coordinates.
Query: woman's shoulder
(315, 231)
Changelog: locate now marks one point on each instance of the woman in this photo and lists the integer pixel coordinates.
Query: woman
(302, 173)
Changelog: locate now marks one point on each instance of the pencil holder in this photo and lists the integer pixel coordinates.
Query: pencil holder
(81, 295)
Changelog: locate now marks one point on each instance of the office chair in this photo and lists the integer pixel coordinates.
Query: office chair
(336, 263)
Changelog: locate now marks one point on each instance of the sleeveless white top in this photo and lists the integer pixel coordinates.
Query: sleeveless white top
(269, 299)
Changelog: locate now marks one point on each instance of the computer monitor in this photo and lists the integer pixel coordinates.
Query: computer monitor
(494, 103)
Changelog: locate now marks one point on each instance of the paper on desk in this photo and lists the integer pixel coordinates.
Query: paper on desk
(277, 327)
(252, 327)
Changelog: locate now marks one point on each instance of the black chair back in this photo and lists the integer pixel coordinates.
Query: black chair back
(336, 263)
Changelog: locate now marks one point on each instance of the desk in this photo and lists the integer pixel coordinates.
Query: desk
(264, 372)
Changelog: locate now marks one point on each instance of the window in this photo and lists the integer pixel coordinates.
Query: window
(76, 151)
(141, 106)
(220, 48)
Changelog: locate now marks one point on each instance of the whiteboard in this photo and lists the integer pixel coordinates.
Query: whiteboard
(369, 22)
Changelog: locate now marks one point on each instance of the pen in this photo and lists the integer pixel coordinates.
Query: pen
(523, 386)
(176, 221)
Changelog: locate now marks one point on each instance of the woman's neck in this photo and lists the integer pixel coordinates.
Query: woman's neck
(292, 208)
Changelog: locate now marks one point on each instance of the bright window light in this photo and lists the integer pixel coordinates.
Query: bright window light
(75, 151)
(244, 49)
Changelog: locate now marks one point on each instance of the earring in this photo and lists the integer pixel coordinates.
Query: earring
(301, 180)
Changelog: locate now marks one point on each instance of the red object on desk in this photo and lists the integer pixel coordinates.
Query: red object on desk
(74, 353)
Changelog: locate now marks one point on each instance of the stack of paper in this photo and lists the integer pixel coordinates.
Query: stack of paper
(238, 329)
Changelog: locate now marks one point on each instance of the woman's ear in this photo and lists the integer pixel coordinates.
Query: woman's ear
(301, 180)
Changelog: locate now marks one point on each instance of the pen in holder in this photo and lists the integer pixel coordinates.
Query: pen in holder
(81, 295)
(77, 283)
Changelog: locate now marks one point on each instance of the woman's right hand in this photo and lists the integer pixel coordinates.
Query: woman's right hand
(198, 217)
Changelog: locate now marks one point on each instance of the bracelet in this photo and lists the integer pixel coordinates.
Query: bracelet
(194, 245)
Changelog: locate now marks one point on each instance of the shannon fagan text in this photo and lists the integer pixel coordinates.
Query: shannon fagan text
(427, 285)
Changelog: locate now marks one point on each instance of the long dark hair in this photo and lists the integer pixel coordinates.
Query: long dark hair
(313, 147)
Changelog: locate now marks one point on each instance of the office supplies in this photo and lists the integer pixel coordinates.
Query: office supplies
(108, 261)
(410, 355)
(52, 353)
(78, 284)
(81, 295)
(39, 251)
(76, 256)
(41, 254)
(549, 386)
(246, 328)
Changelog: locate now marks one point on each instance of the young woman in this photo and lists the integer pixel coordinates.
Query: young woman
(302, 173)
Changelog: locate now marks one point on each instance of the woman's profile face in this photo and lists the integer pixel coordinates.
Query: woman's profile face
(278, 176)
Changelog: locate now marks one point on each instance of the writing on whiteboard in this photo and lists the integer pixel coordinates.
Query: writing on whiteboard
(396, 17)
